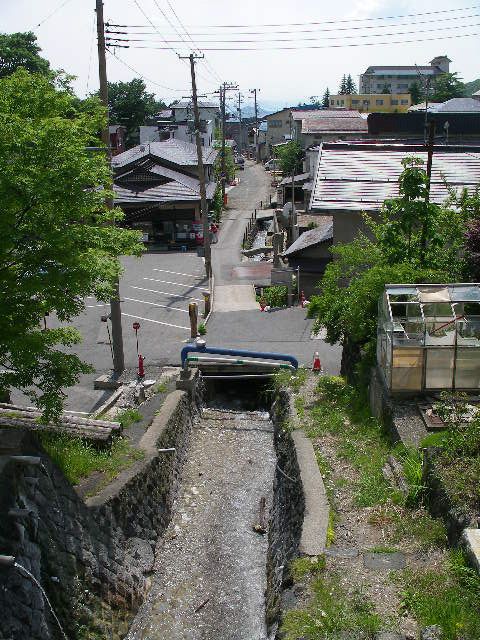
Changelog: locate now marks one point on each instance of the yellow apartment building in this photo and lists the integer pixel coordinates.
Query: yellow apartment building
(372, 102)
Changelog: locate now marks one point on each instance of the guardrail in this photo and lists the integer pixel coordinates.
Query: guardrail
(240, 353)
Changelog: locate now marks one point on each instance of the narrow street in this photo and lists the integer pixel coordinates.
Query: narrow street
(237, 320)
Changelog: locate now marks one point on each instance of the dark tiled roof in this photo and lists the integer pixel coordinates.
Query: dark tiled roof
(360, 176)
(322, 233)
(335, 125)
(172, 150)
(178, 187)
(298, 179)
(458, 105)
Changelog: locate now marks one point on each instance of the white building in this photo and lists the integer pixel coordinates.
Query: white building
(398, 79)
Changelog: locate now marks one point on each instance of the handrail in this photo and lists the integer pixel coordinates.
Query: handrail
(202, 348)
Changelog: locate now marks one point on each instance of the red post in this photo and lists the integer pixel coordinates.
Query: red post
(302, 299)
(141, 370)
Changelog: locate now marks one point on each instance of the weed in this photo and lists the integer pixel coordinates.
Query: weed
(402, 524)
(412, 463)
(382, 549)
(127, 417)
(301, 567)
(300, 406)
(331, 611)
(78, 459)
(202, 329)
(161, 387)
(447, 598)
(292, 379)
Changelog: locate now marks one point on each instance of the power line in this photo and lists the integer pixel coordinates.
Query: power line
(211, 70)
(125, 64)
(159, 33)
(52, 13)
(315, 39)
(325, 46)
(315, 30)
(334, 21)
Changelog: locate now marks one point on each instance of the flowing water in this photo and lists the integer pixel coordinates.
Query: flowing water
(31, 577)
(210, 571)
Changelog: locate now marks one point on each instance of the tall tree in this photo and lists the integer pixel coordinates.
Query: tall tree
(415, 91)
(21, 50)
(343, 86)
(326, 98)
(130, 105)
(447, 86)
(57, 241)
(350, 86)
(290, 156)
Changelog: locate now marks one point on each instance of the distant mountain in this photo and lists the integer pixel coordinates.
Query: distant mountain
(472, 87)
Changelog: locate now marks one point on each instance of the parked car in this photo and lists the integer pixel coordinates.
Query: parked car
(272, 165)
(240, 162)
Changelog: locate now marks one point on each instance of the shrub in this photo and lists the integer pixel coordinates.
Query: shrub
(276, 296)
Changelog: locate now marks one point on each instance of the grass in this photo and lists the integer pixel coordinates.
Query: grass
(202, 329)
(449, 598)
(306, 566)
(128, 417)
(292, 379)
(404, 524)
(342, 411)
(78, 459)
(331, 611)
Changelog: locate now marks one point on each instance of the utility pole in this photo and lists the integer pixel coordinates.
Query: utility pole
(224, 87)
(201, 172)
(239, 109)
(424, 233)
(254, 91)
(294, 227)
(115, 309)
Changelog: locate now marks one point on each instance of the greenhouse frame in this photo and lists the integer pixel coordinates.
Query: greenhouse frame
(428, 337)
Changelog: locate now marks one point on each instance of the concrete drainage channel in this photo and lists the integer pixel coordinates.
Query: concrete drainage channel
(224, 515)
(239, 519)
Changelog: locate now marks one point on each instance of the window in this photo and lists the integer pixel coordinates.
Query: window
(402, 86)
(380, 86)
(355, 101)
(332, 103)
(342, 102)
(403, 101)
(394, 101)
(274, 123)
(379, 103)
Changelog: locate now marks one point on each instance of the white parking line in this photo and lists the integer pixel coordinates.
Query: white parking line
(91, 306)
(178, 284)
(190, 275)
(175, 295)
(155, 304)
(155, 321)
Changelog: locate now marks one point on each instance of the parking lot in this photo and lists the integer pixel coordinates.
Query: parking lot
(155, 291)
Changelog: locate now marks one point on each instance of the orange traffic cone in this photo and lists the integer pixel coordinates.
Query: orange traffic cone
(317, 365)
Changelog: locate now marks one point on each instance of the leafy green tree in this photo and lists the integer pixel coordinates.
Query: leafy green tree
(21, 50)
(290, 157)
(472, 87)
(326, 98)
(447, 86)
(350, 86)
(131, 105)
(57, 241)
(415, 91)
(343, 86)
(414, 241)
(386, 88)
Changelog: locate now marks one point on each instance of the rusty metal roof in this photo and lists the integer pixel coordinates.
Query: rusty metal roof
(360, 176)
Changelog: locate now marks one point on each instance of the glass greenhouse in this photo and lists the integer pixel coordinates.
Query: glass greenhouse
(428, 337)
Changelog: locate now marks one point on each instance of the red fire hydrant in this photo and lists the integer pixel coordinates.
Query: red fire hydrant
(141, 370)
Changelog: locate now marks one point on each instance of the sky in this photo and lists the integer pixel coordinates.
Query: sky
(66, 33)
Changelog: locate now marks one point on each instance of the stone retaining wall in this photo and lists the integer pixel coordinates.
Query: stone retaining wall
(286, 517)
(92, 558)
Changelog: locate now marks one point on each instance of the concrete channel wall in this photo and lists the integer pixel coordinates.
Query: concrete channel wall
(92, 558)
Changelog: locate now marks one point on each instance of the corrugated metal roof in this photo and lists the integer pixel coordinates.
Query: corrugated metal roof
(355, 177)
(402, 70)
(187, 104)
(458, 105)
(322, 233)
(171, 150)
(316, 114)
(300, 178)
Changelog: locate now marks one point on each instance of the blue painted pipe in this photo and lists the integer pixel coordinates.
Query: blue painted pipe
(236, 352)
